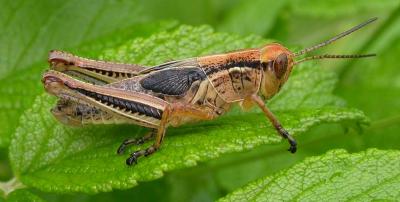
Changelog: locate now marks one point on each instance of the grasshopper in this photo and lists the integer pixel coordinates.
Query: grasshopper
(173, 93)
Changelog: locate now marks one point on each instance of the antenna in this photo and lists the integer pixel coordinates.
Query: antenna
(328, 56)
(333, 39)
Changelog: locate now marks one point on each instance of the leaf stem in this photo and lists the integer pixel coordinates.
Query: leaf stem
(10, 186)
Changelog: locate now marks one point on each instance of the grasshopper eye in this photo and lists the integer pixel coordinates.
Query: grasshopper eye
(280, 65)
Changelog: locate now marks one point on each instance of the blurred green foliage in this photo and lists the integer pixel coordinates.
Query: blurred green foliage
(28, 29)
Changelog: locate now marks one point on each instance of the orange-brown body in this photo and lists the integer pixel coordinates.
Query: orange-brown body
(172, 93)
(229, 78)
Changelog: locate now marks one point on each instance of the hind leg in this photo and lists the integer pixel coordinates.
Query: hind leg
(94, 71)
(174, 110)
(159, 138)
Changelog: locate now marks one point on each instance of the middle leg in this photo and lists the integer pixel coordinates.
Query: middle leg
(159, 138)
(276, 123)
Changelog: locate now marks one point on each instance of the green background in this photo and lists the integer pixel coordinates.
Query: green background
(28, 29)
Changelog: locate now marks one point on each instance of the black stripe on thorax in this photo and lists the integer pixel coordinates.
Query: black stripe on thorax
(211, 69)
(127, 105)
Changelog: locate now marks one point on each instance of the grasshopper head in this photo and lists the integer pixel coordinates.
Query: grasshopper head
(278, 62)
(277, 65)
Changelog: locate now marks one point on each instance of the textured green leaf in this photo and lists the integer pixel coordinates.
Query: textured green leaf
(335, 176)
(52, 157)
